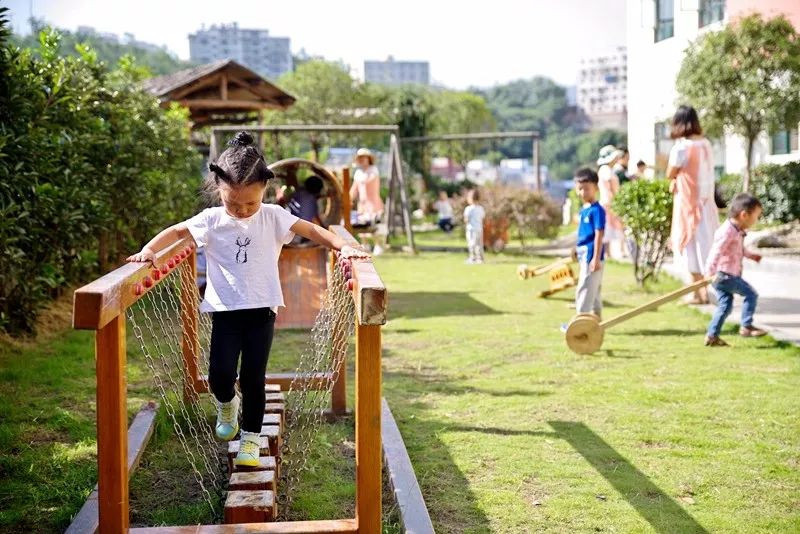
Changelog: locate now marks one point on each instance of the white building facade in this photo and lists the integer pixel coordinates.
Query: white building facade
(391, 72)
(253, 48)
(659, 31)
(602, 89)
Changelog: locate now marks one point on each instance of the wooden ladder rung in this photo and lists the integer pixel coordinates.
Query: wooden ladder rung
(265, 463)
(252, 480)
(250, 507)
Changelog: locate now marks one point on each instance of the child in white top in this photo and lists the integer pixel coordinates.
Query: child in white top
(242, 239)
(445, 210)
(473, 218)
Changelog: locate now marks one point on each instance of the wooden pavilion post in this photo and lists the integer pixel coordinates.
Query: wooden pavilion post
(112, 427)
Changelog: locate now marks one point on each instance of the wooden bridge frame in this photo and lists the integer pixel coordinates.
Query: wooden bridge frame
(101, 306)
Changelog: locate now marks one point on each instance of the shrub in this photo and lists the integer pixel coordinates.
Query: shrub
(778, 188)
(531, 213)
(90, 167)
(645, 207)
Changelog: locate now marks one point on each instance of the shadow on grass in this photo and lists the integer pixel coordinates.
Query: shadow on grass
(655, 506)
(420, 304)
(439, 383)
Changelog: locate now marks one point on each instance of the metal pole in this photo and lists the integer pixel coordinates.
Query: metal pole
(536, 166)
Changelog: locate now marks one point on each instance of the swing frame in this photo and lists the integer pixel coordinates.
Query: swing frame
(101, 306)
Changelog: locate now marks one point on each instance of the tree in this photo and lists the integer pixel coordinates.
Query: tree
(745, 79)
(460, 112)
(326, 94)
(537, 104)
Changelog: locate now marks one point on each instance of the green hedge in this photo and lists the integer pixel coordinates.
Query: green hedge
(90, 167)
(778, 188)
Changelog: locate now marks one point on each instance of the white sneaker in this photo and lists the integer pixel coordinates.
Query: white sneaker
(249, 449)
(228, 419)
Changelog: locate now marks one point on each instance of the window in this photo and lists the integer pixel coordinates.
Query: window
(665, 19)
(784, 142)
(711, 11)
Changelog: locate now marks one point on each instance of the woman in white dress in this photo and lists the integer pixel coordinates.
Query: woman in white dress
(367, 187)
(694, 212)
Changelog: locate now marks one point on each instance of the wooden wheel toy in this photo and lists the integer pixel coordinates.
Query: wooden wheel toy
(585, 331)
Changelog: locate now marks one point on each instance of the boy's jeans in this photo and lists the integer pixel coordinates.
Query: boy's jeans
(727, 285)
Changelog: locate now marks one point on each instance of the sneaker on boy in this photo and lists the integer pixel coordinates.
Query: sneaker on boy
(228, 419)
(249, 449)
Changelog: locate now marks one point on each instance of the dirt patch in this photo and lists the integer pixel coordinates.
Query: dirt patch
(52, 322)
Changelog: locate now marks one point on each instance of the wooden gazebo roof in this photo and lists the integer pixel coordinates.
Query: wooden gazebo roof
(222, 91)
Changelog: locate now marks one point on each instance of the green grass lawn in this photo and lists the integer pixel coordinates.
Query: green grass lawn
(510, 432)
(507, 430)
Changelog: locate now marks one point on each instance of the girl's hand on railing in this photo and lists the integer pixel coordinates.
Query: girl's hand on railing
(146, 255)
(349, 253)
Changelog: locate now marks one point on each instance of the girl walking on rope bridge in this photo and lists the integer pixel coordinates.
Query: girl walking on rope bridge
(243, 239)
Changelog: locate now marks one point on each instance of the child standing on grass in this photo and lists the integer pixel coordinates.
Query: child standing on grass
(725, 265)
(591, 228)
(242, 239)
(473, 218)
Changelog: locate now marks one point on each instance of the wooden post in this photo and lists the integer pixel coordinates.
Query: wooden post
(346, 200)
(368, 428)
(190, 344)
(393, 142)
(112, 427)
(536, 165)
(223, 86)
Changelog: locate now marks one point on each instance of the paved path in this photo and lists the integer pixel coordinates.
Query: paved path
(777, 280)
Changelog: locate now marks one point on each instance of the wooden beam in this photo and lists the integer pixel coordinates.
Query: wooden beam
(334, 526)
(223, 86)
(369, 293)
(368, 428)
(210, 103)
(202, 83)
(314, 128)
(112, 425)
(472, 136)
(413, 512)
(139, 434)
(96, 303)
(315, 381)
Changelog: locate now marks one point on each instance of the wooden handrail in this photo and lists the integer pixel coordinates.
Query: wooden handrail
(369, 293)
(98, 302)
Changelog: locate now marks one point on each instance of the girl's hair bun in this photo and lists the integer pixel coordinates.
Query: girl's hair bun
(241, 139)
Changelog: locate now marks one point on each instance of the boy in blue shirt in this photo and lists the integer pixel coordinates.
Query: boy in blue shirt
(590, 244)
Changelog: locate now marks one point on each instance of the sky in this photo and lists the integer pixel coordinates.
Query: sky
(467, 43)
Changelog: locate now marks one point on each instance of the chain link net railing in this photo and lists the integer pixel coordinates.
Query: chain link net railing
(163, 332)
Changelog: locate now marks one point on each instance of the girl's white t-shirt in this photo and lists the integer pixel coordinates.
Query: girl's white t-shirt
(242, 256)
(444, 208)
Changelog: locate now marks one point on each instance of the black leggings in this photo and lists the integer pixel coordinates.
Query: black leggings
(249, 332)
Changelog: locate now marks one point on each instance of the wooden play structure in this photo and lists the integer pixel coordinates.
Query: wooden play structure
(397, 203)
(585, 331)
(105, 306)
(304, 268)
(560, 273)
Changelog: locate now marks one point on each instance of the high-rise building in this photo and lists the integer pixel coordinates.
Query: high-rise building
(602, 89)
(391, 72)
(255, 49)
(658, 34)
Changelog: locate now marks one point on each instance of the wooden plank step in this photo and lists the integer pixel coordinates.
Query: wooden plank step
(275, 397)
(272, 419)
(252, 480)
(265, 463)
(272, 388)
(250, 507)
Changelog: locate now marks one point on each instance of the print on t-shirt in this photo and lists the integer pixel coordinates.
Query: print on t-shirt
(241, 254)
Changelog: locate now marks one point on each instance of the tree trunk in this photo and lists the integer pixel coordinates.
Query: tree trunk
(751, 139)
